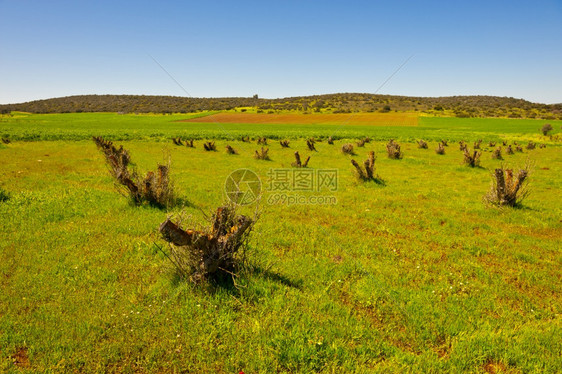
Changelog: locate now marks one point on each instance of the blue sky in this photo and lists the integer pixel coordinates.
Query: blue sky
(280, 48)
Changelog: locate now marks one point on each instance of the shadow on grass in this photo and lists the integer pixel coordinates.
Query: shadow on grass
(465, 168)
(179, 202)
(226, 281)
(219, 281)
(377, 180)
(517, 206)
(272, 276)
(182, 202)
(521, 206)
(4, 196)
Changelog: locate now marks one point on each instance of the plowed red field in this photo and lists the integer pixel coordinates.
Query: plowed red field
(370, 119)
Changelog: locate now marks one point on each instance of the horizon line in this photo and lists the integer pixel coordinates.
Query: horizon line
(283, 97)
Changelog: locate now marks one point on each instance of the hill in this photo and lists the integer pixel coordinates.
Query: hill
(458, 106)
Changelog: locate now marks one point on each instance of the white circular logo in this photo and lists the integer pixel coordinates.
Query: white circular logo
(242, 186)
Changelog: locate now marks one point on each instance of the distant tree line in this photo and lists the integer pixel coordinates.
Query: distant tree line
(128, 104)
(459, 106)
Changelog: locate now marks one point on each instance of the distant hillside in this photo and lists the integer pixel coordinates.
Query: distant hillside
(459, 106)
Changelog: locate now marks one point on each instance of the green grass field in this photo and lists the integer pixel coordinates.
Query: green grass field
(417, 275)
(82, 126)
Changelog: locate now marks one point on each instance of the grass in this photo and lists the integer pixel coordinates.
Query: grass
(417, 275)
(82, 126)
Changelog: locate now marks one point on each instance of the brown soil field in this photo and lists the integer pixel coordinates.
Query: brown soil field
(369, 119)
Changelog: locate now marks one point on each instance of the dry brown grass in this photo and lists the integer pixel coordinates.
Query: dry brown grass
(347, 149)
(210, 146)
(118, 159)
(199, 254)
(393, 150)
(20, 359)
(179, 141)
(367, 172)
(507, 189)
(298, 163)
(284, 143)
(472, 159)
(262, 154)
(497, 154)
(230, 150)
(422, 144)
(155, 188)
(310, 144)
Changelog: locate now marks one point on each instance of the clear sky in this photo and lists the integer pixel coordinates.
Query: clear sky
(280, 48)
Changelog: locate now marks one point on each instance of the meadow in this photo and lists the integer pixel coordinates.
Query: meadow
(401, 126)
(413, 275)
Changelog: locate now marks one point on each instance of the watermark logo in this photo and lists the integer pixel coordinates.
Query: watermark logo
(290, 186)
(300, 199)
(242, 187)
(284, 186)
(311, 180)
